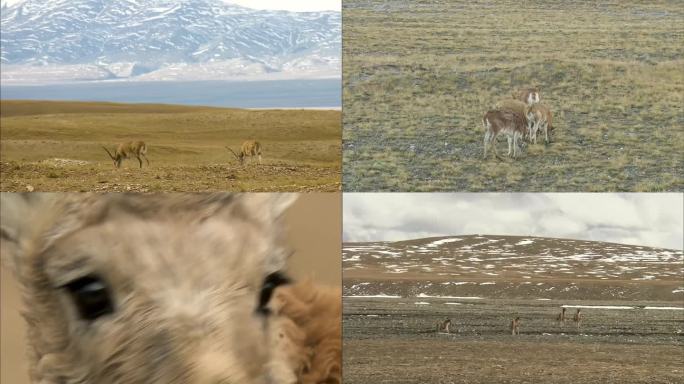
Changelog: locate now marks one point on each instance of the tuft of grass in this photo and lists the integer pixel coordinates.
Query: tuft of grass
(418, 76)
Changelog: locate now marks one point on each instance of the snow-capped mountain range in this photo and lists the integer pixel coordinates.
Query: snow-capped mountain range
(62, 40)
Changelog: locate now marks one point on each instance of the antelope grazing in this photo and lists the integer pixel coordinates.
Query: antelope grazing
(515, 326)
(249, 148)
(561, 317)
(512, 124)
(539, 116)
(124, 150)
(528, 96)
(578, 318)
(166, 289)
(443, 326)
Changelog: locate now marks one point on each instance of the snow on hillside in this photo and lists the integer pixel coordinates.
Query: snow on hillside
(163, 40)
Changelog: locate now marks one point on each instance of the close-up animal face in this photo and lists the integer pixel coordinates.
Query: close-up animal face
(159, 288)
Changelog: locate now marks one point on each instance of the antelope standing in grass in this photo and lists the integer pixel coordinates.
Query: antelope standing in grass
(515, 326)
(510, 123)
(125, 150)
(528, 96)
(518, 107)
(561, 317)
(443, 326)
(249, 148)
(539, 116)
(578, 318)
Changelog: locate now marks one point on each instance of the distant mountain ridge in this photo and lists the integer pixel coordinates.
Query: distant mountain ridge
(511, 266)
(164, 40)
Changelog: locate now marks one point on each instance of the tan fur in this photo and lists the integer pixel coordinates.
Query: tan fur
(315, 313)
(540, 117)
(577, 318)
(515, 326)
(529, 95)
(512, 105)
(249, 148)
(184, 273)
(561, 317)
(444, 326)
(125, 150)
(510, 123)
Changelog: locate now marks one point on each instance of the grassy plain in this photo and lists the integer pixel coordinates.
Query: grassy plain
(419, 75)
(56, 146)
(394, 341)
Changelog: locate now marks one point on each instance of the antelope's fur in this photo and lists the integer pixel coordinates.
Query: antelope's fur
(185, 272)
(125, 150)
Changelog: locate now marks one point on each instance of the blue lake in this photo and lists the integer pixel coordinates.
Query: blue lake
(319, 93)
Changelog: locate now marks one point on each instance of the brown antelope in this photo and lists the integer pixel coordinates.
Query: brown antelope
(539, 116)
(578, 318)
(512, 124)
(515, 326)
(518, 107)
(125, 150)
(249, 148)
(527, 95)
(443, 326)
(561, 317)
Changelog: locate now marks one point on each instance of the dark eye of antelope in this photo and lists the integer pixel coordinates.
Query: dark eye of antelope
(91, 296)
(271, 282)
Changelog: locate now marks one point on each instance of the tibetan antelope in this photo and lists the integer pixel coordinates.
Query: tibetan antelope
(443, 326)
(578, 318)
(515, 326)
(249, 148)
(518, 107)
(561, 317)
(510, 123)
(125, 150)
(166, 288)
(539, 116)
(528, 96)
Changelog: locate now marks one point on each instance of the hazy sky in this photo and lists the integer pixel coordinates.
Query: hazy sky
(288, 5)
(639, 219)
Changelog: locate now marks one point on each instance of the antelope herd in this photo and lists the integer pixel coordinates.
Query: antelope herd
(519, 118)
(514, 327)
(138, 149)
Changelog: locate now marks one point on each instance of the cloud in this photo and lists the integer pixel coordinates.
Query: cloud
(640, 219)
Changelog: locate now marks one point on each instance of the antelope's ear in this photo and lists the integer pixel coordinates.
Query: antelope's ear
(18, 224)
(268, 206)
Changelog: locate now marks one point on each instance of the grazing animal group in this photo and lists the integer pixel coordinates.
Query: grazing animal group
(518, 118)
(166, 288)
(514, 327)
(138, 149)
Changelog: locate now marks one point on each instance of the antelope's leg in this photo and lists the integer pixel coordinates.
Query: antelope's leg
(546, 131)
(143, 155)
(508, 137)
(486, 140)
(139, 160)
(260, 158)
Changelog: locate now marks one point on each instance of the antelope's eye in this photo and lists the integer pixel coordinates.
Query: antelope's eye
(91, 297)
(271, 282)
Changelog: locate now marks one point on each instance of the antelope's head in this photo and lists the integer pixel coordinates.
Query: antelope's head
(162, 288)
